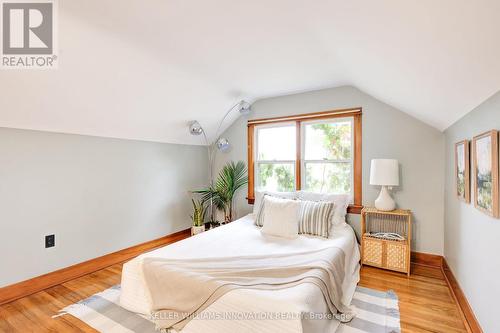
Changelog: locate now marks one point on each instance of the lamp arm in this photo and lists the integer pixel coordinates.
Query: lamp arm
(224, 118)
(211, 150)
(211, 154)
(211, 159)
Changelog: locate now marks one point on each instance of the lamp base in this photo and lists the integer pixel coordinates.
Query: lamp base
(384, 201)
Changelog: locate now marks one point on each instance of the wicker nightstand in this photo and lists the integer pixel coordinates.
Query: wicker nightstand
(381, 252)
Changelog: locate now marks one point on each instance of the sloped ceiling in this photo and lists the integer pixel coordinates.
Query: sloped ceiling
(144, 69)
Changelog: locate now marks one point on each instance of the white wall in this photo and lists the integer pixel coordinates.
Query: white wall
(96, 195)
(472, 238)
(387, 133)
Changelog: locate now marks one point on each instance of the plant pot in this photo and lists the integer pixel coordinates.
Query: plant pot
(197, 230)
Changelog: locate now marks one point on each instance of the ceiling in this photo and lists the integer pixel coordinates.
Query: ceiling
(144, 69)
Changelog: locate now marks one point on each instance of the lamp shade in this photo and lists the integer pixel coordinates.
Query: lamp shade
(223, 144)
(384, 172)
(244, 107)
(195, 128)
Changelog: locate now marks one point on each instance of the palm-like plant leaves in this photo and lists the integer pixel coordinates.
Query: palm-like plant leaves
(210, 193)
(231, 178)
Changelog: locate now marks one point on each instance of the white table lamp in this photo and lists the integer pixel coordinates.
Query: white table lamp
(385, 173)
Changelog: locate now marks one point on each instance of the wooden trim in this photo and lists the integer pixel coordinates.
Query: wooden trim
(427, 259)
(494, 172)
(354, 209)
(298, 157)
(308, 116)
(251, 164)
(408, 254)
(358, 161)
(356, 113)
(34, 285)
(470, 320)
(466, 161)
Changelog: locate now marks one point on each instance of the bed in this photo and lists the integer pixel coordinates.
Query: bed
(282, 310)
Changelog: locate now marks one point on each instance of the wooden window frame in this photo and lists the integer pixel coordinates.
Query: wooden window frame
(355, 113)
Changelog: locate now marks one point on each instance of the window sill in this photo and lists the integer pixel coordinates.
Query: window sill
(354, 209)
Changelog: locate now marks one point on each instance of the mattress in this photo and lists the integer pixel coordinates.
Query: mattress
(246, 310)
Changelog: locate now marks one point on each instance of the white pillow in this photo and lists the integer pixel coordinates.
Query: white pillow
(260, 194)
(341, 202)
(280, 217)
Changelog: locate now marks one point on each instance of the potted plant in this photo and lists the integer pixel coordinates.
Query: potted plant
(198, 217)
(231, 178)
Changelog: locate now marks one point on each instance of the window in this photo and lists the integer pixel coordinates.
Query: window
(318, 152)
(327, 149)
(275, 158)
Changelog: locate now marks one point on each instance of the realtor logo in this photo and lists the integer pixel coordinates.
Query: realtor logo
(28, 34)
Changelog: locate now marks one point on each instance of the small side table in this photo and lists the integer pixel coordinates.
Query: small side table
(384, 252)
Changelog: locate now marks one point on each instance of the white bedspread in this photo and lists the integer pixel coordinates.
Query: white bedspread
(240, 238)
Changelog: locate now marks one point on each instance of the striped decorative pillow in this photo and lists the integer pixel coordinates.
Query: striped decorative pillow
(315, 217)
(259, 219)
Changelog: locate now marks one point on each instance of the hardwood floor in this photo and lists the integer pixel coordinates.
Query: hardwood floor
(425, 301)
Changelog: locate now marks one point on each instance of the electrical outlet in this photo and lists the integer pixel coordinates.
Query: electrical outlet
(50, 241)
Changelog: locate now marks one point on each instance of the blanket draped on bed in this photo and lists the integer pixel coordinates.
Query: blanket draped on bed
(181, 289)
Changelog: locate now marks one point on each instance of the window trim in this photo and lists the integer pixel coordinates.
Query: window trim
(355, 113)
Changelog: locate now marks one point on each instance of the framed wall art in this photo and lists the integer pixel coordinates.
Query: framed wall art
(462, 170)
(485, 172)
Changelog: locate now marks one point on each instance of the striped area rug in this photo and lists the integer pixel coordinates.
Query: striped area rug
(376, 312)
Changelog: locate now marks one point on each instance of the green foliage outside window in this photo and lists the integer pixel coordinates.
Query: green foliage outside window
(332, 177)
(282, 173)
(320, 177)
(337, 139)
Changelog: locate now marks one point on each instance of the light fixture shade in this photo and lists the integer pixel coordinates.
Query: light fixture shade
(384, 172)
(195, 128)
(223, 144)
(245, 107)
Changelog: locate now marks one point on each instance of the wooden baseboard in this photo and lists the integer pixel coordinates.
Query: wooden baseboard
(470, 319)
(427, 259)
(31, 286)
